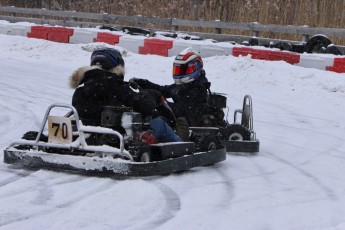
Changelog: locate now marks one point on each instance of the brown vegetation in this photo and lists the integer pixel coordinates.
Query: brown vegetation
(314, 13)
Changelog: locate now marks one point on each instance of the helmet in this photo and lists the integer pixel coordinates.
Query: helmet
(187, 67)
(107, 58)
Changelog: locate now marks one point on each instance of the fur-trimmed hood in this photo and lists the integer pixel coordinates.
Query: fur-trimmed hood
(77, 76)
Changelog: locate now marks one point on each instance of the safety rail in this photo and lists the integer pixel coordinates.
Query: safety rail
(247, 103)
(80, 142)
(81, 19)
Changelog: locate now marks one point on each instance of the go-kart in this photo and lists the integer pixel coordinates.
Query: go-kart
(238, 136)
(214, 130)
(112, 149)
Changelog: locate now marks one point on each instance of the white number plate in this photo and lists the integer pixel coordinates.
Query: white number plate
(59, 130)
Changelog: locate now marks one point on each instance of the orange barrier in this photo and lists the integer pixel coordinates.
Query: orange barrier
(338, 66)
(109, 38)
(156, 46)
(56, 34)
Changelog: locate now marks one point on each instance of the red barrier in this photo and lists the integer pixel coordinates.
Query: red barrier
(156, 46)
(338, 66)
(268, 55)
(109, 38)
(291, 58)
(55, 34)
(255, 53)
(60, 34)
(40, 32)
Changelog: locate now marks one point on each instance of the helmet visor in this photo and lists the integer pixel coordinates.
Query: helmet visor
(184, 69)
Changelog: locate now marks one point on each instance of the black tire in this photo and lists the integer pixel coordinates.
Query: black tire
(317, 44)
(283, 46)
(146, 157)
(331, 49)
(32, 135)
(209, 143)
(246, 116)
(107, 28)
(298, 48)
(236, 132)
(253, 41)
(135, 31)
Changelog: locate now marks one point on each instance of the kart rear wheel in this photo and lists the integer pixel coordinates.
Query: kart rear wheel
(236, 132)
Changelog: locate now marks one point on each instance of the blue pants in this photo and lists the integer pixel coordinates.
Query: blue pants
(162, 131)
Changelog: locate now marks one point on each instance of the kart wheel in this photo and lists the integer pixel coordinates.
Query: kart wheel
(146, 157)
(253, 41)
(283, 46)
(245, 121)
(317, 44)
(236, 132)
(32, 135)
(209, 143)
(333, 50)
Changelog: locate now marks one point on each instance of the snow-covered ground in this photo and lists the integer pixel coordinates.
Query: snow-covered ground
(297, 181)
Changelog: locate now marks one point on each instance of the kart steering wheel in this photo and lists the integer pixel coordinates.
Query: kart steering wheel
(163, 108)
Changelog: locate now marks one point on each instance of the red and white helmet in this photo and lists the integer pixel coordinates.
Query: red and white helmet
(187, 67)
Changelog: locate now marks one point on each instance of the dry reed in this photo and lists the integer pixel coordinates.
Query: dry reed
(314, 13)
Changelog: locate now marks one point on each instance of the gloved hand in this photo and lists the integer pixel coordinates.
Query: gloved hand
(150, 100)
(152, 95)
(137, 83)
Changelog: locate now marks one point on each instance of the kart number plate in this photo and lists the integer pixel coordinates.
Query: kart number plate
(59, 130)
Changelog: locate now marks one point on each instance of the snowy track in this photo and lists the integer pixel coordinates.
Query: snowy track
(297, 181)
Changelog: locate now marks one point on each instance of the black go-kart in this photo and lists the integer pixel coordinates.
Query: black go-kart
(113, 149)
(237, 137)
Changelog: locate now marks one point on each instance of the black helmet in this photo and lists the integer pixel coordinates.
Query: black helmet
(107, 58)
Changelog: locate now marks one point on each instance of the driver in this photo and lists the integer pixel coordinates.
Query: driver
(189, 93)
(102, 84)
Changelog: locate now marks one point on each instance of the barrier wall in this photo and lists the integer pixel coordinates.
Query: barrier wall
(170, 47)
(55, 34)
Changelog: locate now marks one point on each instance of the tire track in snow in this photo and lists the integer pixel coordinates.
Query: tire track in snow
(330, 194)
(262, 173)
(172, 205)
(17, 176)
(44, 192)
(87, 194)
(173, 201)
(58, 207)
(226, 181)
(301, 119)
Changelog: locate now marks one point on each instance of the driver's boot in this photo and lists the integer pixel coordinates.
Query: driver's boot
(182, 128)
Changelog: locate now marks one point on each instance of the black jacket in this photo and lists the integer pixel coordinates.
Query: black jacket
(97, 88)
(189, 99)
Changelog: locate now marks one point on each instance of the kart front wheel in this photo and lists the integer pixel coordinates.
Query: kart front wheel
(146, 157)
